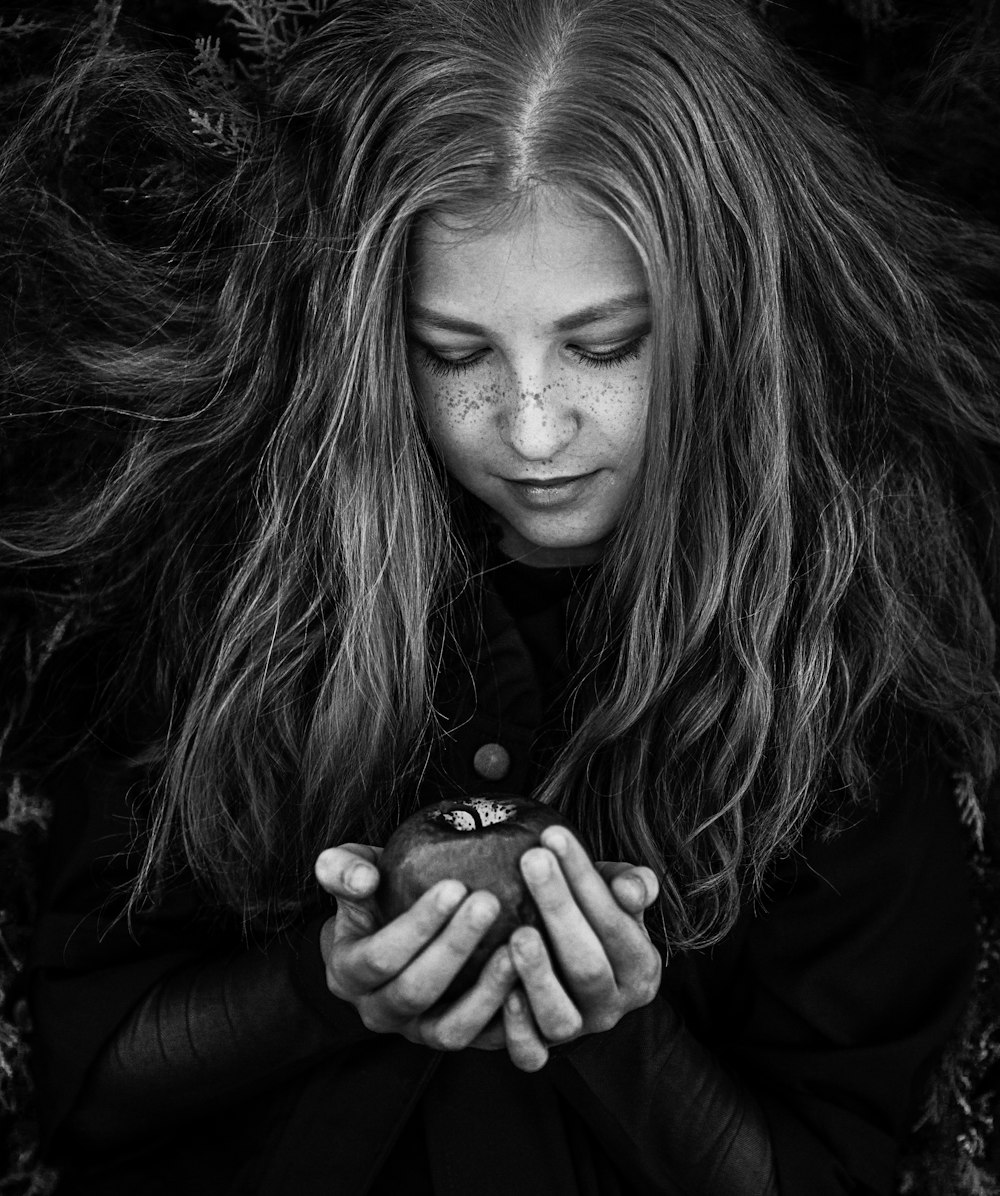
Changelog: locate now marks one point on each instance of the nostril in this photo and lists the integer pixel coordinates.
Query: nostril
(538, 424)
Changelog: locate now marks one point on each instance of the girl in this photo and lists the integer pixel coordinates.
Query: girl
(544, 397)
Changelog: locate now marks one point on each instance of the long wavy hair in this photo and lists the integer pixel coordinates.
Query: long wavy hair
(250, 513)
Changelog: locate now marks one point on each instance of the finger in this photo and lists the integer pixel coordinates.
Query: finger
(553, 1009)
(577, 947)
(635, 888)
(427, 977)
(467, 1022)
(493, 1037)
(349, 870)
(354, 920)
(525, 1046)
(377, 958)
(622, 937)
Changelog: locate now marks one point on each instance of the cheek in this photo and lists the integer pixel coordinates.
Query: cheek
(456, 413)
(454, 402)
(621, 406)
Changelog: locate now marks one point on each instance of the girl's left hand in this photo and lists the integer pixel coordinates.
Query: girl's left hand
(607, 964)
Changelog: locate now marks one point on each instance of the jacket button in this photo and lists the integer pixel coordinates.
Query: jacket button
(492, 762)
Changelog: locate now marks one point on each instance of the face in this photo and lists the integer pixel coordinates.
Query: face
(529, 348)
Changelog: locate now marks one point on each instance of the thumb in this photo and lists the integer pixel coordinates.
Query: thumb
(635, 887)
(348, 872)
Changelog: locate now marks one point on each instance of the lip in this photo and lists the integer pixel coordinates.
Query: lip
(540, 493)
(560, 480)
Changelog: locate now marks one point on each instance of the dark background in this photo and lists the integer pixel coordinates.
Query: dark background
(923, 76)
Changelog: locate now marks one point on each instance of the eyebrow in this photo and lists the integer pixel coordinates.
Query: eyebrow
(577, 319)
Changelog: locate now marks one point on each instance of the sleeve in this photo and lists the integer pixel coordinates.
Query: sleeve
(864, 968)
(810, 1029)
(674, 1119)
(141, 1026)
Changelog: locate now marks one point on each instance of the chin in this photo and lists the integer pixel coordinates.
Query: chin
(580, 549)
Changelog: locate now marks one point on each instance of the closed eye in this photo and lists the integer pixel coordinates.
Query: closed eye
(611, 357)
(447, 366)
(444, 366)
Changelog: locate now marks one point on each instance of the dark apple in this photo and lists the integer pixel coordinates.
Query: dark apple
(479, 841)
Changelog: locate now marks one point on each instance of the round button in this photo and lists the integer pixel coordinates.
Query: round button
(492, 762)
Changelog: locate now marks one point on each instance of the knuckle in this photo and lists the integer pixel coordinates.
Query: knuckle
(646, 995)
(649, 983)
(457, 950)
(456, 944)
(452, 1038)
(591, 978)
(333, 981)
(409, 998)
(411, 1033)
(499, 968)
(338, 988)
(568, 1026)
(371, 1018)
(604, 1021)
(430, 1036)
(379, 963)
(427, 915)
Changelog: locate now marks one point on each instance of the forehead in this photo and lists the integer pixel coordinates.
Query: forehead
(545, 253)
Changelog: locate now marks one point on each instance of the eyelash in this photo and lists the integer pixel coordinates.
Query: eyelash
(443, 367)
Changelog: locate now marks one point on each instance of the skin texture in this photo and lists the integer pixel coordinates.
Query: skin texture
(550, 377)
(547, 378)
(593, 914)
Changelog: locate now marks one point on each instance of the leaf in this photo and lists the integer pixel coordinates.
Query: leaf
(219, 132)
(969, 807)
(872, 13)
(20, 27)
(265, 29)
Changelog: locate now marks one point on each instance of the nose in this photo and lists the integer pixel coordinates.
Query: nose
(538, 422)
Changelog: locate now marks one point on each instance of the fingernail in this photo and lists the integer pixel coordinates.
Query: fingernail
(504, 965)
(526, 946)
(635, 890)
(482, 913)
(556, 841)
(359, 879)
(449, 895)
(536, 865)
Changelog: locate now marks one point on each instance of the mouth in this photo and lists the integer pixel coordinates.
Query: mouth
(537, 493)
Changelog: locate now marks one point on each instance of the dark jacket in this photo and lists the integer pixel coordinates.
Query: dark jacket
(829, 1004)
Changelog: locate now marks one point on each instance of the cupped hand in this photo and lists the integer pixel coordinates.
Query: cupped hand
(395, 975)
(604, 964)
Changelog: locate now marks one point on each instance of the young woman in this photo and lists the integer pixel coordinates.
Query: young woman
(547, 398)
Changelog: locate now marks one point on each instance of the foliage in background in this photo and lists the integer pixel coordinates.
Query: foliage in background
(924, 82)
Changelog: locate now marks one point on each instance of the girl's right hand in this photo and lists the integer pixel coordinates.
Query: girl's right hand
(396, 974)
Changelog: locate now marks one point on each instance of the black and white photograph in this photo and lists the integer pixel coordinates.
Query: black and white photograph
(500, 598)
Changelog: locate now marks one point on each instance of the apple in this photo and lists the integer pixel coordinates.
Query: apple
(479, 841)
